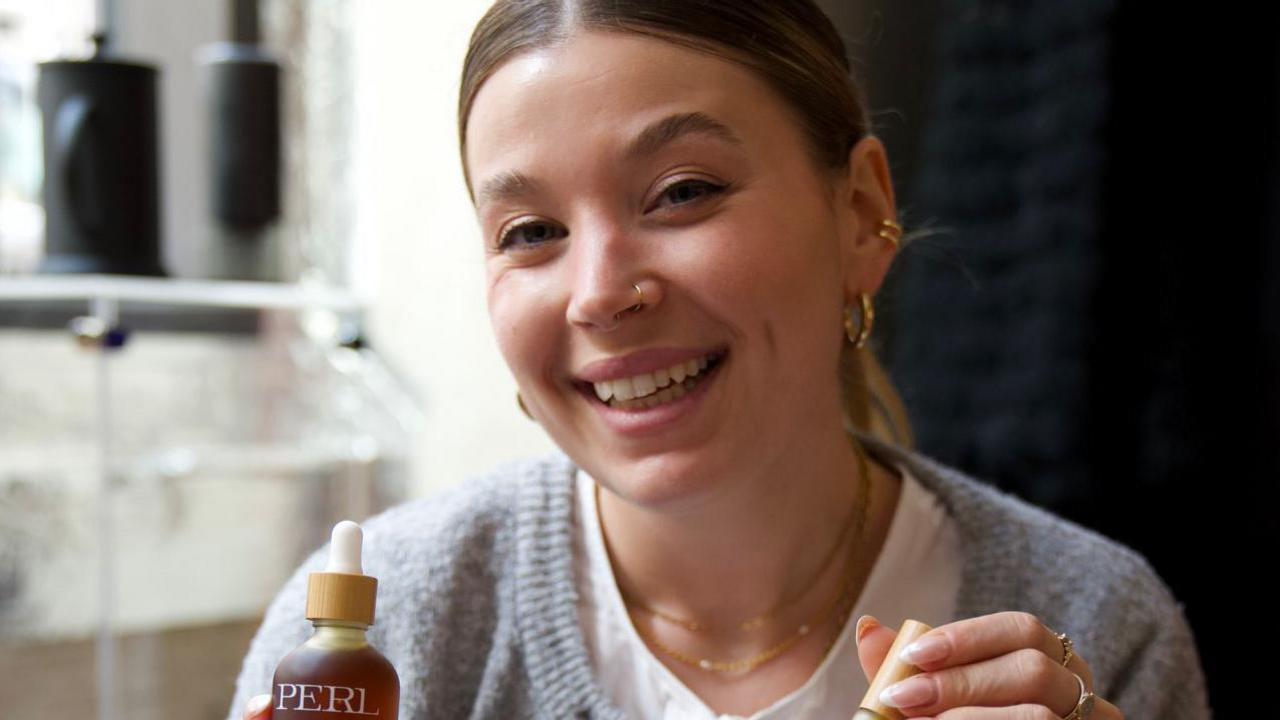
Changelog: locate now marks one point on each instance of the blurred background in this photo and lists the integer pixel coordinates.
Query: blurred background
(204, 365)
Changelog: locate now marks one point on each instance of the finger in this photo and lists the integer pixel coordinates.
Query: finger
(1012, 712)
(1022, 677)
(981, 638)
(258, 708)
(1103, 710)
(874, 641)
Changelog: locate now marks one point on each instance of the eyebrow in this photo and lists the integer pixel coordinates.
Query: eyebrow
(671, 128)
(511, 184)
(506, 186)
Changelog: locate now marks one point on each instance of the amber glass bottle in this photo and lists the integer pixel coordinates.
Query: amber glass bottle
(337, 674)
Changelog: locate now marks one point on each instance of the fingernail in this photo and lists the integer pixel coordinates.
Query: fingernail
(866, 624)
(927, 649)
(258, 703)
(909, 693)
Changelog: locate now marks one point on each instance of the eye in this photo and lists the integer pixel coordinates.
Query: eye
(688, 191)
(529, 233)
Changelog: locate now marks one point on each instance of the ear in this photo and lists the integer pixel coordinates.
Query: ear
(864, 198)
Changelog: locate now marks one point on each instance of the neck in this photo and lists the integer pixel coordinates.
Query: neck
(753, 544)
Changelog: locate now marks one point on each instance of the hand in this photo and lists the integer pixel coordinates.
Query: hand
(258, 708)
(1002, 666)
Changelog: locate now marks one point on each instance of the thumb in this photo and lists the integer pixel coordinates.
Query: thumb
(874, 641)
(258, 708)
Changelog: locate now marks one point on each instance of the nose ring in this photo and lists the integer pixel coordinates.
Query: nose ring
(639, 303)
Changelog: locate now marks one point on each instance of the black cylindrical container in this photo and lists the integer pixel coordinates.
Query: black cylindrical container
(101, 183)
(243, 95)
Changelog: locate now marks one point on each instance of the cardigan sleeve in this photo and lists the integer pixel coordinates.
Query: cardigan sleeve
(1163, 678)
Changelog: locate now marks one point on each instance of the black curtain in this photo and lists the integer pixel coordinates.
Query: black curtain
(1095, 325)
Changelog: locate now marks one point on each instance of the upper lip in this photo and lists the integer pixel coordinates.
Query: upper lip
(639, 363)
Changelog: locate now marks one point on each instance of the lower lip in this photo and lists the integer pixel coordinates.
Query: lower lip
(650, 421)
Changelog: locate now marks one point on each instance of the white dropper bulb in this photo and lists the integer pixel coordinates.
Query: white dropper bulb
(344, 549)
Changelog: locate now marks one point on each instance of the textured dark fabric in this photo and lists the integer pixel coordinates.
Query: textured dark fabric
(991, 341)
(477, 604)
(1098, 329)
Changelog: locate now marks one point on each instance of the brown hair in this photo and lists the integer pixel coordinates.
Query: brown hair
(790, 44)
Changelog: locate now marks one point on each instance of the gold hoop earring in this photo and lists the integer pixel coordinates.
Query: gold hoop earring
(523, 409)
(859, 337)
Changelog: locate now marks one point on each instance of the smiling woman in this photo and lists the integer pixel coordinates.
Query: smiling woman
(685, 219)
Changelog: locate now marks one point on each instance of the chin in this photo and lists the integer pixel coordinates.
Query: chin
(661, 483)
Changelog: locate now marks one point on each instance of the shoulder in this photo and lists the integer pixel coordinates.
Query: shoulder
(1122, 616)
(1001, 527)
(453, 534)
(477, 506)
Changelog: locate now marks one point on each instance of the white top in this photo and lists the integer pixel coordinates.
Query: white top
(916, 575)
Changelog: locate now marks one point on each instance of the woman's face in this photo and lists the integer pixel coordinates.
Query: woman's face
(615, 160)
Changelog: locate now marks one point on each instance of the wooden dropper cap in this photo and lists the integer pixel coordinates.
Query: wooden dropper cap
(892, 670)
(342, 592)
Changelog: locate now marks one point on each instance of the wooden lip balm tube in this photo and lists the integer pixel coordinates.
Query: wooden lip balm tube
(892, 670)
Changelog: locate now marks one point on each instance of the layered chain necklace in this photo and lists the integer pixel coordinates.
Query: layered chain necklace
(841, 605)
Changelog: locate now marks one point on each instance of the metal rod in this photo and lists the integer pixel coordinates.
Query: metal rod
(107, 311)
(244, 21)
(108, 24)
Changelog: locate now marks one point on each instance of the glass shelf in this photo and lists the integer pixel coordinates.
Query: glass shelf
(177, 292)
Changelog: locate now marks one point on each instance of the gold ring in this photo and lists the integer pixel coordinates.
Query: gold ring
(1068, 650)
(1084, 706)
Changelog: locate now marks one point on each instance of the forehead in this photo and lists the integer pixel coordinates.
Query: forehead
(597, 91)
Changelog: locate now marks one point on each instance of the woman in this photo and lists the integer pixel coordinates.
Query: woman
(685, 218)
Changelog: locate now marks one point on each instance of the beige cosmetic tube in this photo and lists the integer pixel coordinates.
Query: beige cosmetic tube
(892, 670)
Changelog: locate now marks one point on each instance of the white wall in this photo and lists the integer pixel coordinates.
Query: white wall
(165, 34)
(418, 257)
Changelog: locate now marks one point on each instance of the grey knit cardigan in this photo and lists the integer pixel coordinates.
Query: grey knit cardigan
(477, 601)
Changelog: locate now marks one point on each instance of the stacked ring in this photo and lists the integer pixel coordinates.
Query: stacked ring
(1067, 648)
(1084, 706)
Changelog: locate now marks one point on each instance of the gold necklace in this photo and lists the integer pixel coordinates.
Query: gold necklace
(834, 606)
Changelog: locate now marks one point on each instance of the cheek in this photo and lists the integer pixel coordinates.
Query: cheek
(779, 262)
(520, 324)
(776, 275)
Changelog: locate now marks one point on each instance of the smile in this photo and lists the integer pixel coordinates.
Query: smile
(650, 390)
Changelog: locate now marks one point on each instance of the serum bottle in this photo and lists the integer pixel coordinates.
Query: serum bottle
(337, 674)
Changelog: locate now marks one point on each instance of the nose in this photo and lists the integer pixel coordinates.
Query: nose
(607, 268)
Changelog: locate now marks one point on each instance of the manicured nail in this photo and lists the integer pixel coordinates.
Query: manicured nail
(866, 624)
(925, 650)
(258, 704)
(909, 693)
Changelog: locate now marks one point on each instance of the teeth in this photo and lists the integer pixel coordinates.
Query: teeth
(675, 392)
(623, 389)
(677, 374)
(645, 386)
